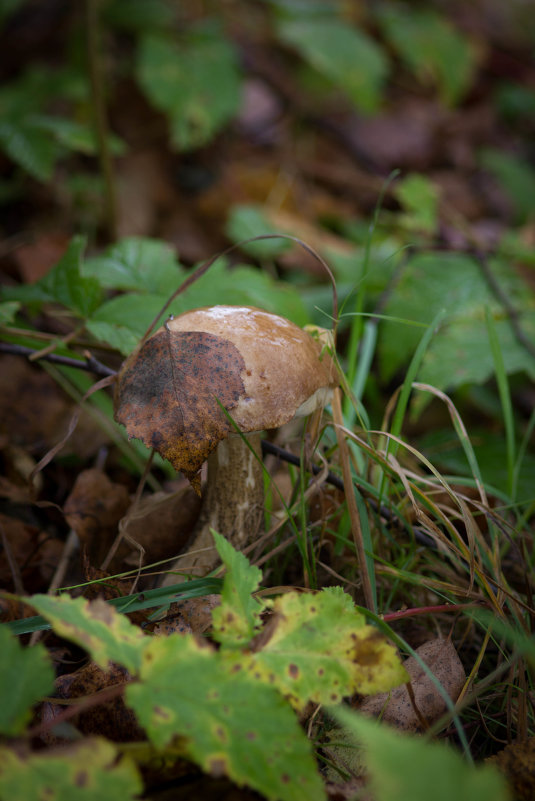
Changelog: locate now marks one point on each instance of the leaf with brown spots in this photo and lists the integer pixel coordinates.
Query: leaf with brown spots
(168, 395)
(91, 768)
(319, 648)
(228, 723)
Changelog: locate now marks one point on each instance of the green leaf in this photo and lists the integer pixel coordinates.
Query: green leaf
(320, 649)
(443, 449)
(123, 320)
(236, 620)
(65, 283)
(419, 199)
(85, 771)
(460, 352)
(229, 723)
(137, 263)
(26, 675)
(139, 15)
(431, 48)
(74, 135)
(245, 222)
(345, 55)
(94, 625)
(29, 146)
(401, 766)
(517, 178)
(195, 82)
(8, 310)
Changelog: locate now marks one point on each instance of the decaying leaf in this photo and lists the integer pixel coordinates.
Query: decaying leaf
(160, 523)
(396, 707)
(167, 395)
(93, 509)
(110, 719)
(517, 763)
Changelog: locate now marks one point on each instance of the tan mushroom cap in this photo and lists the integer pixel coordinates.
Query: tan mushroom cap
(286, 374)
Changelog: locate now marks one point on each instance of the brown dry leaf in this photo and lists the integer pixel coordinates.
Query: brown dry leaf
(396, 708)
(517, 763)
(162, 523)
(35, 413)
(37, 258)
(93, 509)
(32, 554)
(167, 395)
(111, 719)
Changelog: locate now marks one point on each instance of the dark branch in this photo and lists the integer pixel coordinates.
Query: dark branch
(90, 364)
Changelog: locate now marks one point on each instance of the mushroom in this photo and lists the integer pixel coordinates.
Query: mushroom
(261, 368)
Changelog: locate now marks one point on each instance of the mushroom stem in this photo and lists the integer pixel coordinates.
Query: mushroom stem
(232, 504)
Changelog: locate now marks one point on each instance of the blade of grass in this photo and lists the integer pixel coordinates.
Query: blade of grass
(505, 398)
(132, 603)
(366, 562)
(406, 389)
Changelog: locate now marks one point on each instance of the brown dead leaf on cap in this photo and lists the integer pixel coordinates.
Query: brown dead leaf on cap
(167, 395)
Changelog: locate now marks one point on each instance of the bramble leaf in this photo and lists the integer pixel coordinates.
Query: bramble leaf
(230, 724)
(460, 351)
(237, 618)
(345, 55)
(319, 648)
(195, 82)
(404, 766)
(26, 675)
(139, 264)
(85, 771)
(95, 626)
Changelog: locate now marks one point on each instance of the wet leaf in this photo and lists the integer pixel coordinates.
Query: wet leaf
(168, 395)
(88, 770)
(25, 676)
(230, 724)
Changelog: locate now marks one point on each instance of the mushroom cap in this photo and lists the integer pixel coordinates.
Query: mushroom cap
(287, 373)
(261, 368)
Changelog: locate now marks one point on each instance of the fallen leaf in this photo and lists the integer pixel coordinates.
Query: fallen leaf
(396, 707)
(517, 762)
(161, 523)
(111, 719)
(93, 509)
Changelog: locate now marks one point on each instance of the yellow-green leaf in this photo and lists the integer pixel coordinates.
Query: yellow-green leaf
(86, 771)
(321, 649)
(229, 723)
(94, 625)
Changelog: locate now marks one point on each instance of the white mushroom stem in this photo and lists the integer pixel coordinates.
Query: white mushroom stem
(232, 505)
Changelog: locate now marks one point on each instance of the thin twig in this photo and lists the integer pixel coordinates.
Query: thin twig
(90, 364)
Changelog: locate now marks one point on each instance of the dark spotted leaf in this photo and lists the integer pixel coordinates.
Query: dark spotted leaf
(229, 723)
(168, 395)
(84, 771)
(319, 648)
